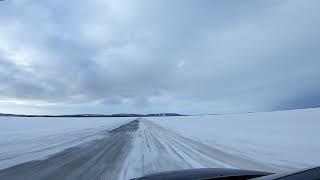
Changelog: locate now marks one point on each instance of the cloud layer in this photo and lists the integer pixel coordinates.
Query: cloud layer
(208, 56)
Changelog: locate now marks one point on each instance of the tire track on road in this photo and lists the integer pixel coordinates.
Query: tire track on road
(157, 149)
(135, 149)
(99, 159)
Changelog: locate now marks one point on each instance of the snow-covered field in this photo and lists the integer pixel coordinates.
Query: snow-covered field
(284, 139)
(25, 139)
(113, 148)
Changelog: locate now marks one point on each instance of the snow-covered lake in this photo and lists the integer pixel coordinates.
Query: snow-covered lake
(25, 139)
(290, 139)
(271, 141)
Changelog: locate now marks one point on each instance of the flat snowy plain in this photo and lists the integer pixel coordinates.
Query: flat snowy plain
(25, 139)
(284, 139)
(113, 148)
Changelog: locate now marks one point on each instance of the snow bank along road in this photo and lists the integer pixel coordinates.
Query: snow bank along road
(134, 149)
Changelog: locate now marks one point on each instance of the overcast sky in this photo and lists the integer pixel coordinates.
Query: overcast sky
(112, 56)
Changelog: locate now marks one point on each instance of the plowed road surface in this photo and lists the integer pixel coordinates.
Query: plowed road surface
(137, 148)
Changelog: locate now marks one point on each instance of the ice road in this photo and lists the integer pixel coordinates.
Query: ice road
(134, 149)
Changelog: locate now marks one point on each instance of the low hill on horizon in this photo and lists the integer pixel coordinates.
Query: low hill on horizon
(95, 115)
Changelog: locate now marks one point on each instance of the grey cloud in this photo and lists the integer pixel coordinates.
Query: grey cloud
(208, 55)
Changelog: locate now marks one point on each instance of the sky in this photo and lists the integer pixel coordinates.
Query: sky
(141, 56)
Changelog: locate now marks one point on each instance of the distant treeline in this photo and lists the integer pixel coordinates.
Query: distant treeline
(96, 115)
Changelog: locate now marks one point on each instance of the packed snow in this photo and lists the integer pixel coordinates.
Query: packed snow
(285, 139)
(277, 141)
(26, 139)
(157, 149)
